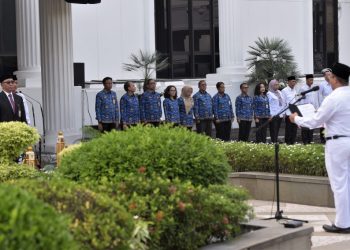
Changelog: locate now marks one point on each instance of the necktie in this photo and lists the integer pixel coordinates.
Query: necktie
(12, 103)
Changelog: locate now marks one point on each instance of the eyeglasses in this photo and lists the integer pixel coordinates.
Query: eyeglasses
(9, 82)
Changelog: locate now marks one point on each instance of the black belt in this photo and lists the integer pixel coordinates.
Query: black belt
(334, 137)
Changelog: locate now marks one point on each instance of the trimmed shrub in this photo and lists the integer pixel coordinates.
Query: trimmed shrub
(181, 216)
(97, 222)
(65, 151)
(16, 171)
(16, 137)
(28, 223)
(294, 159)
(172, 152)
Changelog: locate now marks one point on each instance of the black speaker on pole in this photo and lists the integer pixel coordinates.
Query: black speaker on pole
(79, 74)
(84, 1)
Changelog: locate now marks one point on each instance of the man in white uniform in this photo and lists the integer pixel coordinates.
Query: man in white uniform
(335, 114)
(325, 90)
(25, 103)
(310, 98)
(289, 95)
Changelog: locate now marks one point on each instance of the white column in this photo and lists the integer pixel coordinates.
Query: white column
(28, 43)
(232, 70)
(309, 42)
(57, 70)
(344, 34)
(232, 67)
(230, 38)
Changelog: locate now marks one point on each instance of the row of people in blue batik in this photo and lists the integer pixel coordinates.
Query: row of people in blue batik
(201, 108)
(145, 108)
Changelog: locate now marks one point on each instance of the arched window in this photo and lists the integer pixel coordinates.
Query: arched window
(8, 44)
(187, 33)
(325, 22)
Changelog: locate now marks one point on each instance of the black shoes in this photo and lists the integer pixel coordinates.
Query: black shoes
(334, 229)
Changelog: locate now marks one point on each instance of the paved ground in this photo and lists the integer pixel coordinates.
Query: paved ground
(317, 216)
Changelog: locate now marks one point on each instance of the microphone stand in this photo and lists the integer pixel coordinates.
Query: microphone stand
(33, 110)
(42, 138)
(82, 110)
(34, 123)
(279, 212)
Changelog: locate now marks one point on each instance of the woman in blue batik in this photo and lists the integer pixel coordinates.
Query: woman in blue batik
(129, 106)
(171, 105)
(261, 111)
(223, 113)
(186, 104)
(150, 104)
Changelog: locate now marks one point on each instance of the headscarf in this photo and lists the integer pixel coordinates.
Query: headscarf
(276, 92)
(188, 100)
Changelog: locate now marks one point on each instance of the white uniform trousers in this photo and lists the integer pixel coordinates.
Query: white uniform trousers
(337, 156)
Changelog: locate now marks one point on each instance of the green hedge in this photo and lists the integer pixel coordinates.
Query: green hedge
(97, 222)
(172, 152)
(28, 223)
(16, 171)
(181, 216)
(16, 137)
(294, 159)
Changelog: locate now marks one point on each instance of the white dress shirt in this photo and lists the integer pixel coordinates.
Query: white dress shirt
(274, 103)
(334, 112)
(325, 90)
(311, 97)
(8, 96)
(289, 96)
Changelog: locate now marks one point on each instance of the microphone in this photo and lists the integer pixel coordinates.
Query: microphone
(310, 90)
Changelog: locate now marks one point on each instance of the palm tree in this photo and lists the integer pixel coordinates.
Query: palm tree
(146, 62)
(271, 59)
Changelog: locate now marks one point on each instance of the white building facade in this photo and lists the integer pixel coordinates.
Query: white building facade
(204, 39)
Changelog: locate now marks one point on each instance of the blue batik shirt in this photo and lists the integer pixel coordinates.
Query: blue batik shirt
(244, 107)
(186, 118)
(129, 109)
(261, 106)
(222, 107)
(150, 107)
(171, 110)
(203, 108)
(106, 107)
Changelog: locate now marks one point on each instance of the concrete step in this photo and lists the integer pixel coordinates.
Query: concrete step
(344, 245)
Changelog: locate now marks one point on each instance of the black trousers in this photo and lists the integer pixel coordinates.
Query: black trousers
(244, 130)
(204, 127)
(223, 130)
(322, 137)
(107, 127)
(307, 135)
(275, 125)
(291, 132)
(128, 126)
(154, 124)
(261, 132)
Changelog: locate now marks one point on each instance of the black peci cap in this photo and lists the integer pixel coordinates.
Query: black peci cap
(308, 76)
(4, 77)
(341, 70)
(290, 78)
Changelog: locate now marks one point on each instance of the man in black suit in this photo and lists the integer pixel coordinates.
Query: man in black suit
(11, 105)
